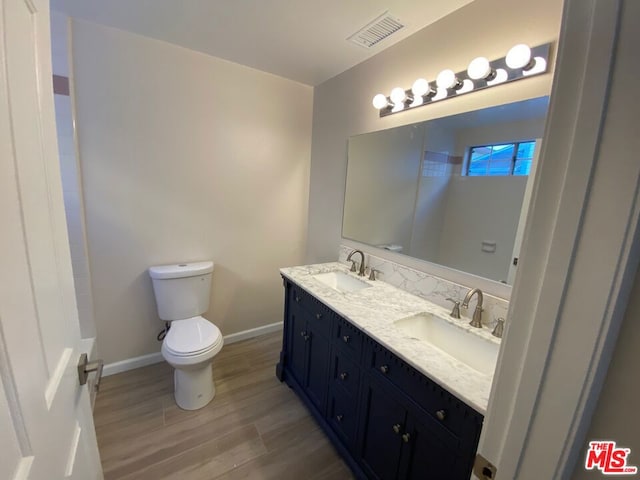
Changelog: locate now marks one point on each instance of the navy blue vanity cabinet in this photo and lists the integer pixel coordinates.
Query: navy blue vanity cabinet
(388, 420)
(440, 433)
(344, 381)
(308, 325)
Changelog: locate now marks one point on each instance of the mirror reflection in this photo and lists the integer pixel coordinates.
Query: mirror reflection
(452, 191)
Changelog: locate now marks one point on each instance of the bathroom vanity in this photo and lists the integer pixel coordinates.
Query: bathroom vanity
(360, 355)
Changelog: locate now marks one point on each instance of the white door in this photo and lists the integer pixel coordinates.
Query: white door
(580, 252)
(46, 427)
(524, 211)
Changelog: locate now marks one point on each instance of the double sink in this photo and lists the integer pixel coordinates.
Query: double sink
(437, 331)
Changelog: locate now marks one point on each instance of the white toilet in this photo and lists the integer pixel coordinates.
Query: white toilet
(182, 295)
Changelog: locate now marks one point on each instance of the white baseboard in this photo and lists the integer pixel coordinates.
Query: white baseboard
(131, 363)
(253, 332)
(151, 358)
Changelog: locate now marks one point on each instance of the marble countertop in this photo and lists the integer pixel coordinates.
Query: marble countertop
(375, 309)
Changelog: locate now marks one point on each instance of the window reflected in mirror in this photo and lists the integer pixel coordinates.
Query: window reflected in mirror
(452, 191)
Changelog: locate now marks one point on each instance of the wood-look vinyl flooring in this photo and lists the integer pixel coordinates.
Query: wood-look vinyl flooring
(255, 427)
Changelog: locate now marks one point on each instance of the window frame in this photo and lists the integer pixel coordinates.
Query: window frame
(514, 157)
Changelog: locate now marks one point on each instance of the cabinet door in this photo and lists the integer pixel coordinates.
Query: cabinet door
(318, 362)
(429, 451)
(383, 422)
(298, 335)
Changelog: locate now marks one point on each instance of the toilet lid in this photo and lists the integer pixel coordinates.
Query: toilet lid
(192, 336)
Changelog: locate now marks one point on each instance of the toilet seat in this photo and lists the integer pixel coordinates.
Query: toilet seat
(192, 337)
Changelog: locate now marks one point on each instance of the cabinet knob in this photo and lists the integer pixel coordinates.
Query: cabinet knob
(339, 418)
(396, 428)
(441, 414)
(304, 334)
(384, 369)
(318, 316)
(406, 437)
(343, 376)
(297, 298)
(346, 338)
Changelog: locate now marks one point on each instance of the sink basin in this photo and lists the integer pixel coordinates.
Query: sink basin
(340, 281)
(476, 352)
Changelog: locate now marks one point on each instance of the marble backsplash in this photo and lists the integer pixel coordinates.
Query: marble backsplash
(432, 288)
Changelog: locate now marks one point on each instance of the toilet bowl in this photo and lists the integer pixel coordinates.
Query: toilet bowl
(189, 348)
(182, 295)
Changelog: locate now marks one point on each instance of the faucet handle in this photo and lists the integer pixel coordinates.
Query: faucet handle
(372, 273)
(455, 311)
(499, 328)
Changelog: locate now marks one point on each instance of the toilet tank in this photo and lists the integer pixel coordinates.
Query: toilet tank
(182, 290)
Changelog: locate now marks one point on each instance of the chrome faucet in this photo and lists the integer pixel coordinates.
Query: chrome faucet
(476, 320)
(353, 262)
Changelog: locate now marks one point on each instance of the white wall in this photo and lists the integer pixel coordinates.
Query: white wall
(186, 157)
(382, 185)
(499, 132)
(616, 417)
(71, 184)
(342, 105)
(431, 197)
(479, 209)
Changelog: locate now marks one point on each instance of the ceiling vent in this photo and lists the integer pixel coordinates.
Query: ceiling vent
(376, 31)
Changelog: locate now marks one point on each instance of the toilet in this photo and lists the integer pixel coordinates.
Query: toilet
(182, 296)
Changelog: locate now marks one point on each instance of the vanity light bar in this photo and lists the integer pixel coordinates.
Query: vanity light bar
(520, 62)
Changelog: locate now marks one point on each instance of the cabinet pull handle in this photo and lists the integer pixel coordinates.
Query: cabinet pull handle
(396, 428)
(343, 376)
(441, 414)
(346, 338)
(406, 437)
(318, 316)
(384, 369)
(339, 418)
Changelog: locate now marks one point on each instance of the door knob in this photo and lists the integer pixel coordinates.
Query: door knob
(85, 368)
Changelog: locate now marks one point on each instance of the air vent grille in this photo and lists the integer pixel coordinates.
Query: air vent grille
(376, 31)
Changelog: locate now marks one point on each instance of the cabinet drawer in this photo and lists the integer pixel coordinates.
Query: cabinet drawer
(443, 407)
(345, 373)
(348, 338)
(343, 416)
(318, 314)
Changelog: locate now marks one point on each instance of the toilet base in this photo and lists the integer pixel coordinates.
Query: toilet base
(194, 388)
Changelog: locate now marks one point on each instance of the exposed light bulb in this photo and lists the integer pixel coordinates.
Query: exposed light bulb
(421, 87)
(447, 79)
(398, 95)
(539, 66)
(417, 101)
(519, 57)
(467, 86)
(501, 76)
(398, 107)
(380, 101)
(440, 94)
(480, 69)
